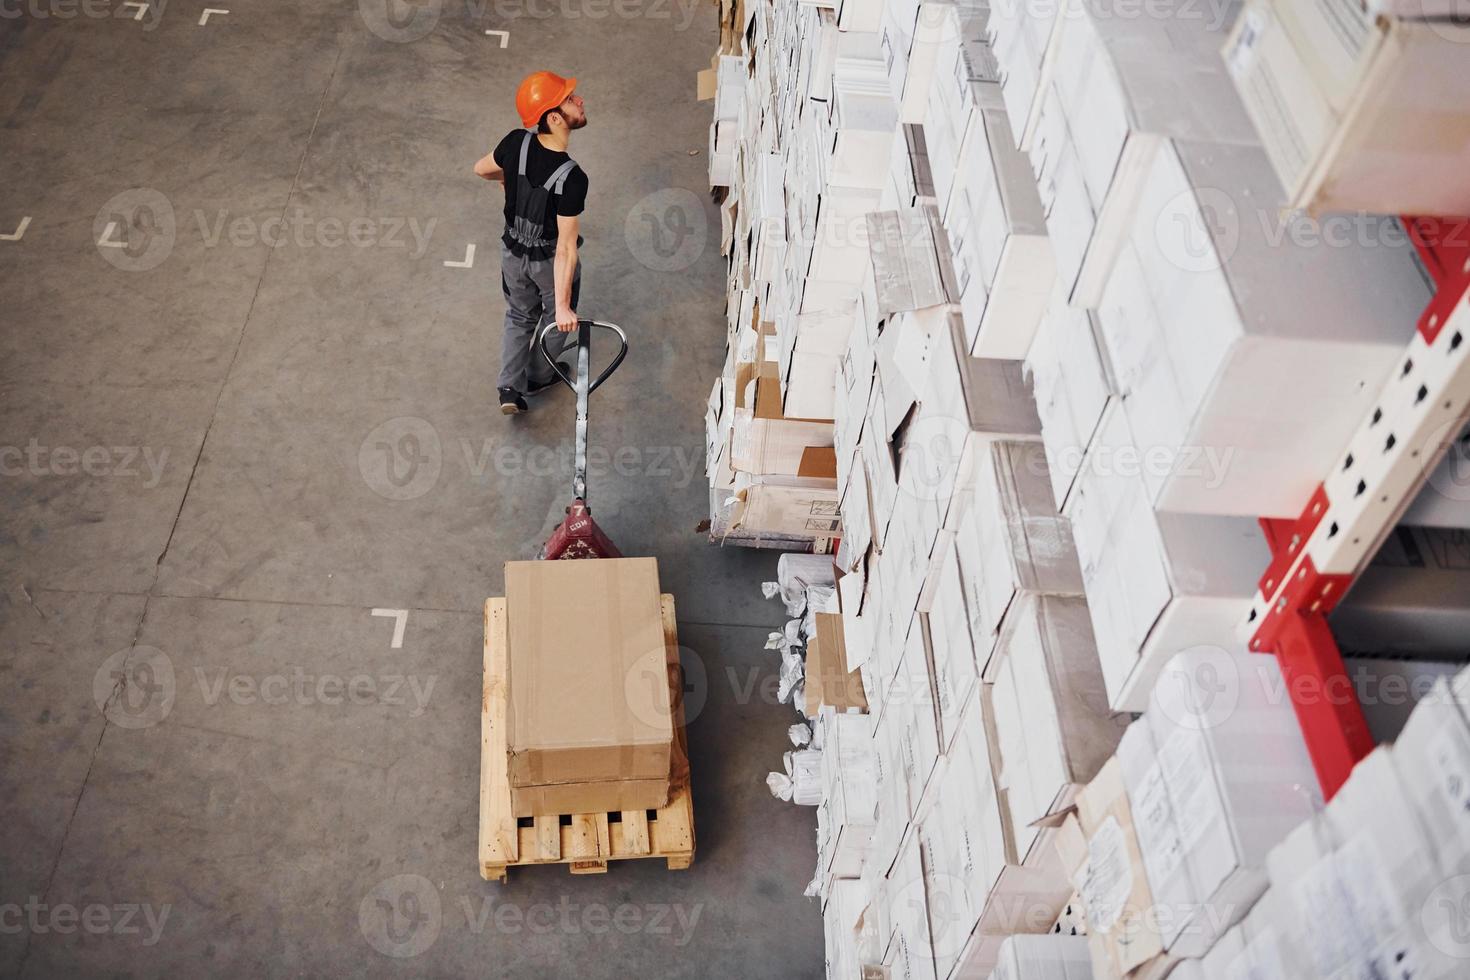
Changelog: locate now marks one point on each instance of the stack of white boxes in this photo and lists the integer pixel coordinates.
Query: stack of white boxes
(1010, 292)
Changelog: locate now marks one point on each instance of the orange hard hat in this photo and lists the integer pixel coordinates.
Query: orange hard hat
(539, 92)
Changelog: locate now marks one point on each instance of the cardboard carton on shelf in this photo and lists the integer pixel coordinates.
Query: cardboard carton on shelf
(1246, 349)
(1099, 847)
(765, 441)
(980, 896)
(1367, 864)
(1014, 540)
(1004, 262)
(1050, 725)
(1025, 39)
(1360, 107)
(1044, 958)
(1156, 583)
(1126, 86)
(804, 505)
(1073, 387)
(1220, 784)
(585, 733)
(829, 681)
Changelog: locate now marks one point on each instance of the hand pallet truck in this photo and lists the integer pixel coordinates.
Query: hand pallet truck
(578, 535)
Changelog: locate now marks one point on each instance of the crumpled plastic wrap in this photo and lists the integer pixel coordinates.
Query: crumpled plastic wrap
(802, 782)
(786, 638)
(793, 672)
(802, 581)
(800, 734)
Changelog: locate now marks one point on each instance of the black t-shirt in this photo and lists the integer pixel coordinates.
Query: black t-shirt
(541, 163)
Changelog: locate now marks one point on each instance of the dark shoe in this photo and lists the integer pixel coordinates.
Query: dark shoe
(511, 402)
(536, 387)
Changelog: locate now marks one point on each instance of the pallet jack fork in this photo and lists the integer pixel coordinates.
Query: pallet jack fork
(578, 535)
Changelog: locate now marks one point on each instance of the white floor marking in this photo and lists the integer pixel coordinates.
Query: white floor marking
(16, 236)
(469, 259)
(204, 17)
(400, 618)
(503, 35)
(142, 8)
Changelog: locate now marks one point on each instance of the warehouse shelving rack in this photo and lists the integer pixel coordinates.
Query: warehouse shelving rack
(1316, 557)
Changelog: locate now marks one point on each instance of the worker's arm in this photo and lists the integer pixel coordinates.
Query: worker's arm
(489, 169)
(564, 270)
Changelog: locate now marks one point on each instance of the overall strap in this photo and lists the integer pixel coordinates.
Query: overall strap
(525, 149)
(559, 176)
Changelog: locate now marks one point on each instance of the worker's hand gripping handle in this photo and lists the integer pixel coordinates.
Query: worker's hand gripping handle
(584, 343)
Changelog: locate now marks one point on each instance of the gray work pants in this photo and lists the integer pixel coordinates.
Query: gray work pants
(530, 304)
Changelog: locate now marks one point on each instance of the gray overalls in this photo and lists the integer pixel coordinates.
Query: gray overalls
(529, 284)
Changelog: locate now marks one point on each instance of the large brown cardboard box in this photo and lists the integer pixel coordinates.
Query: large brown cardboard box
(590, 723)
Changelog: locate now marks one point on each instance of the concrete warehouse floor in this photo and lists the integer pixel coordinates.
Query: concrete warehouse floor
(220, 457)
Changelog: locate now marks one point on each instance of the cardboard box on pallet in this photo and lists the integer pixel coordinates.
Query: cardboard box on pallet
(589, 718)
(1214, 321)
(1050, 725)
(1360, 106)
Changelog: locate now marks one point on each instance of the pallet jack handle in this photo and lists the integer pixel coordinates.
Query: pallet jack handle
(581, 385)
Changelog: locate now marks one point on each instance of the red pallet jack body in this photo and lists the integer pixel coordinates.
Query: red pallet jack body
(578, 535)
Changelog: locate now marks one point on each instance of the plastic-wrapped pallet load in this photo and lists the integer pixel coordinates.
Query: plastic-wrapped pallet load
(1156, 583)
(1218, 773)
(1228, 333)
(1361, 105)
(1044, 958)
(1051, 729)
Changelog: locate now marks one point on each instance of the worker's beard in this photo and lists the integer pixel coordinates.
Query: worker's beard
(577, 123)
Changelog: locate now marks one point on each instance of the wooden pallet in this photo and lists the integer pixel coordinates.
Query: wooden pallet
(586, 841)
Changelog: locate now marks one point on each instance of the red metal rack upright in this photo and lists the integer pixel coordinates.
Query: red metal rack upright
(1317, 556)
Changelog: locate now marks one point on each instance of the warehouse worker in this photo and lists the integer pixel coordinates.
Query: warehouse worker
(545, 191)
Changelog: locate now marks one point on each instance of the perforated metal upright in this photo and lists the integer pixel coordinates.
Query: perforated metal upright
(1316, 557)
